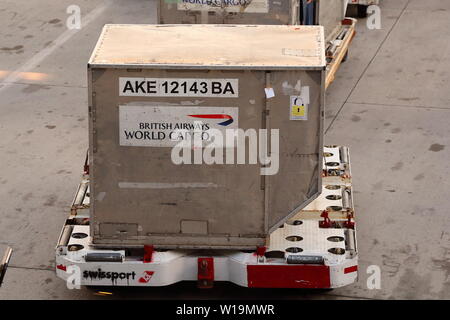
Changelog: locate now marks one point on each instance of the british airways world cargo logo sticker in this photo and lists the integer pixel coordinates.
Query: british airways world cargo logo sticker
(166, 126)
(163, 87)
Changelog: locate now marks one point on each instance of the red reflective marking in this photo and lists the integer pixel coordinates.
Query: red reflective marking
(300, 276)
(146, 276)
(206, 269)
(326, 223)
(260, 251)
(351, 269)
(61, 267)
(148, 253)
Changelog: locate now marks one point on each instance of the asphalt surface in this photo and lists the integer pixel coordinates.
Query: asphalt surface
(390, 104)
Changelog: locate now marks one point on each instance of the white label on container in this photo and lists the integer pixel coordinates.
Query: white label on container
(270, 93)
(165, 126)
(252, 6)
(173, 87)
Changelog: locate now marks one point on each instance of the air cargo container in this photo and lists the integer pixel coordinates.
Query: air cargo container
(141, 218)
(328, 13)
(229, 12)
(141, 92)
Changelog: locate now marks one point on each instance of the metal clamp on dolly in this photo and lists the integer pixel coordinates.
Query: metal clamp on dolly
(4, 264)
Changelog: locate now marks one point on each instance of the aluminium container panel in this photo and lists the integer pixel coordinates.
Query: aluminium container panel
(140, 196)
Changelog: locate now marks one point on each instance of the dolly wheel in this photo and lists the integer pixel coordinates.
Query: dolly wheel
(345, 56)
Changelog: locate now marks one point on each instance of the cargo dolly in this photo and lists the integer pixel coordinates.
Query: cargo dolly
(337, 49)
(315, 249)
(140, 218)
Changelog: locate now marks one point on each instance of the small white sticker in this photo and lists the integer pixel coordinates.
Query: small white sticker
(163, 87)
(270, 93)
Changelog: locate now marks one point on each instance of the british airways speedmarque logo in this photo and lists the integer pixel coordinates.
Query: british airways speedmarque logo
(229, 119)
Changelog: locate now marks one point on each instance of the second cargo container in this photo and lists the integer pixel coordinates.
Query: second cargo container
(328, 13)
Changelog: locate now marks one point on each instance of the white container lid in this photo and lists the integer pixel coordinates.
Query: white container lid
(266, 47)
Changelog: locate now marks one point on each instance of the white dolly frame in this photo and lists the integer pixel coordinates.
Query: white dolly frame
(267, 267)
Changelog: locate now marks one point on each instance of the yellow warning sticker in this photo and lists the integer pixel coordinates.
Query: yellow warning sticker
(299, 109)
